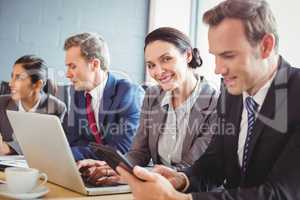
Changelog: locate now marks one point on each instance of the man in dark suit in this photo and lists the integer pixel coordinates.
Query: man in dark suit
(253, 154)
(104, 109)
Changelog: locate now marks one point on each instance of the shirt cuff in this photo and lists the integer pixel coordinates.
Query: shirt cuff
(187, 185)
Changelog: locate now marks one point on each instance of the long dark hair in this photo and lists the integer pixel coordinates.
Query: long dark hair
(178, 39)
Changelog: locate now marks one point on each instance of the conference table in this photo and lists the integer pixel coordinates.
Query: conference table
(58, 192)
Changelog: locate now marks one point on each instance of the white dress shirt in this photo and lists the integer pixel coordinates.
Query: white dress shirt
(170, 142)
(33, 109)
(259, 98)
(97, 94)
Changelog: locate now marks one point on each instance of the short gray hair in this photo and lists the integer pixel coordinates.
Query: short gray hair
(92, 46)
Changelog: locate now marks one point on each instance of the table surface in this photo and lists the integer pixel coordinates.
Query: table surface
(58, 192)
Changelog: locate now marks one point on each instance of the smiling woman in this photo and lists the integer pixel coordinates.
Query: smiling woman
(165, 58)
(177, 114)
(28, 78)
(175, 137)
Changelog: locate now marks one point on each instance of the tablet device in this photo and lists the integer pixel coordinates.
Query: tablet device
(112, 157)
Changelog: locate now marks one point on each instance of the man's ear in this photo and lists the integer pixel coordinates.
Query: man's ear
(96, 64)
(267, 45)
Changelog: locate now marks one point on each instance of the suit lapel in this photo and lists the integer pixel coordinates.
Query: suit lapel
(159, 120)
(108, 93)
(79, 108)
(267, 110)
(232, 139)
(191, 130)
(194, 126)
(269, 104)
(43, 105)
(232, 112)
(81, 104)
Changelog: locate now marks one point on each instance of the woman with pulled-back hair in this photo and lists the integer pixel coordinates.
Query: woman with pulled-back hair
(177, 114)
(28, 79)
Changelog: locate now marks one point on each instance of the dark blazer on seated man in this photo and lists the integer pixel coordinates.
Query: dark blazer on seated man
(47, 105)
(119, 114)
(273, 167)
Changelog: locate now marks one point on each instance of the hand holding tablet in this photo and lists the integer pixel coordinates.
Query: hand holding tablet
(112, 157)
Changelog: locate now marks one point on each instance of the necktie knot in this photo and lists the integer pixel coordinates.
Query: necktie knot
(88, 97)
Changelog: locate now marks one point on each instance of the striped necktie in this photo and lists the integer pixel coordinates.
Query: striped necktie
(251, 107)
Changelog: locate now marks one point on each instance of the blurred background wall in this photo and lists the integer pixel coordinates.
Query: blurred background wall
(41, 26)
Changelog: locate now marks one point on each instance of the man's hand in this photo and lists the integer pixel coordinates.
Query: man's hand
(146, 185)
(4, 148)
(87, 163)
(98, 172)
(176, 179)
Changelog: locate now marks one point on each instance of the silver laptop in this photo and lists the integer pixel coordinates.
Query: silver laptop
(45, 147)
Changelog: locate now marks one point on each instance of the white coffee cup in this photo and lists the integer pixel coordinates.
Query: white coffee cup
(23, 180)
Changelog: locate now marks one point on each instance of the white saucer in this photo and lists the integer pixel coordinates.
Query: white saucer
(37, 192)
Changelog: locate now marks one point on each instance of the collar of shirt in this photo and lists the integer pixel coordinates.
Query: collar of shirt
(260, 96)
(33, 109)
(97, 94)
(166, 102)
